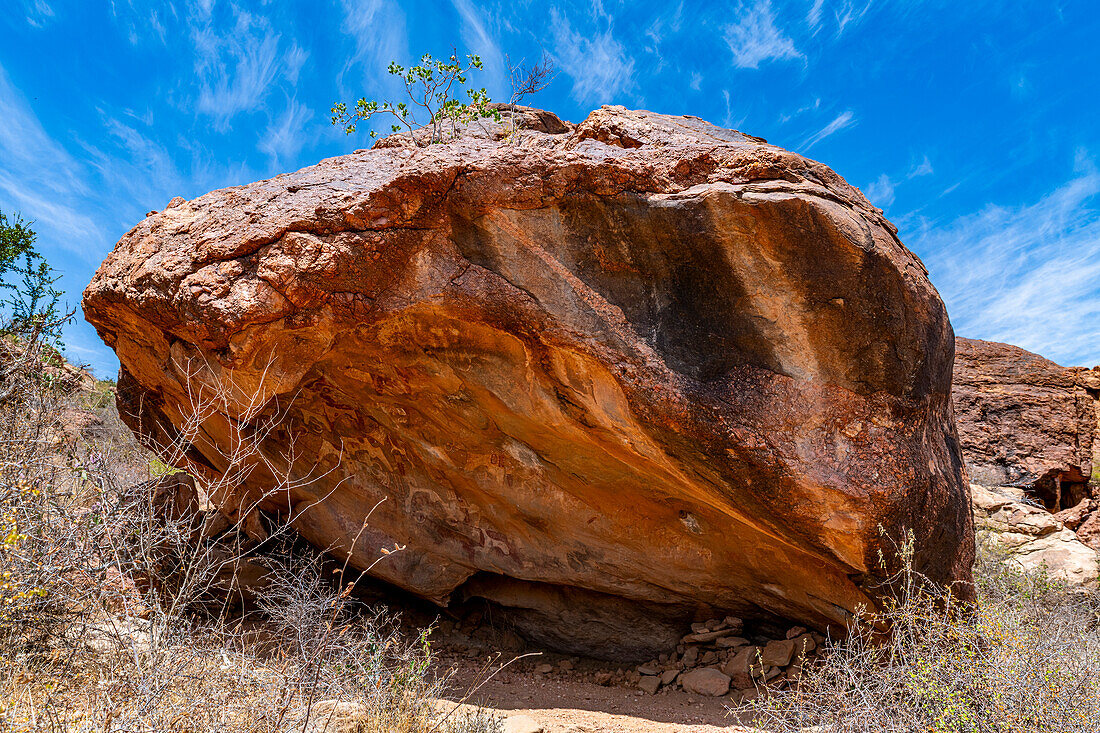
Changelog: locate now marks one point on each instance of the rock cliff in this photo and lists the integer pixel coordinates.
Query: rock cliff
(615, 377)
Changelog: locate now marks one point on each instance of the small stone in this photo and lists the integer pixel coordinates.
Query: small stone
(691, 656)
(648, 669)
(603, 679)
(777, 653)
(734, 623)
(708, 681)
(649, 685)
(699, 628)
(714, 624)
(663, 659)
(669, 676)
(795, 631)
(731, 642)
(565, 665)
(544, 669)
(770, 673)
(708, 658)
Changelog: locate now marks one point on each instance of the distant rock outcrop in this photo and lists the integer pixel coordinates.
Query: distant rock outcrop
(1027, 422)
(616, 377)
(1032, 536)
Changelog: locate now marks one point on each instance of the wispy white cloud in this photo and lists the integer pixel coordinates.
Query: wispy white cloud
(39, 177)
(881, 191)
(842, 121)
(138, 171)
(285, 137)
(62, 219)
(378, 30)
(696, 80)
(479, 40)
(663, 25)
(598, 64)
(754, 37)
(813, 17)
(845, 13)
(1027, 275)
(236, 65)
(851, 13)
(811, 107)
(293, 61)
(923, 168)
(38, 13)
(144, 20)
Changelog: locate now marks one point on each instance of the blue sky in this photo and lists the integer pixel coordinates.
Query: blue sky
(975, 125)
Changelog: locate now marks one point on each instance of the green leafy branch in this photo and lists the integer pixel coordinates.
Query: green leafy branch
(433, 88)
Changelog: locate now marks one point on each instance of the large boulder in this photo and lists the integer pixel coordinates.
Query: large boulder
(1027, 422)
(641, 363)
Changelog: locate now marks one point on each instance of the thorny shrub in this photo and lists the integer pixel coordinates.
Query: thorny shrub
(82, 650)
(1023, 658)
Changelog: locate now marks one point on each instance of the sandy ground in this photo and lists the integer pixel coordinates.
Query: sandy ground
(567, 703)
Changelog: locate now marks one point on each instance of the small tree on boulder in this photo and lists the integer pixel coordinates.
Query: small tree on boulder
(433, 87)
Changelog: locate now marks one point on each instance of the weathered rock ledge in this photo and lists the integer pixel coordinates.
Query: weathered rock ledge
(619, 377)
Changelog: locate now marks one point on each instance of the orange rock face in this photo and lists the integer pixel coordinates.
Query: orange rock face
(613, 377)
